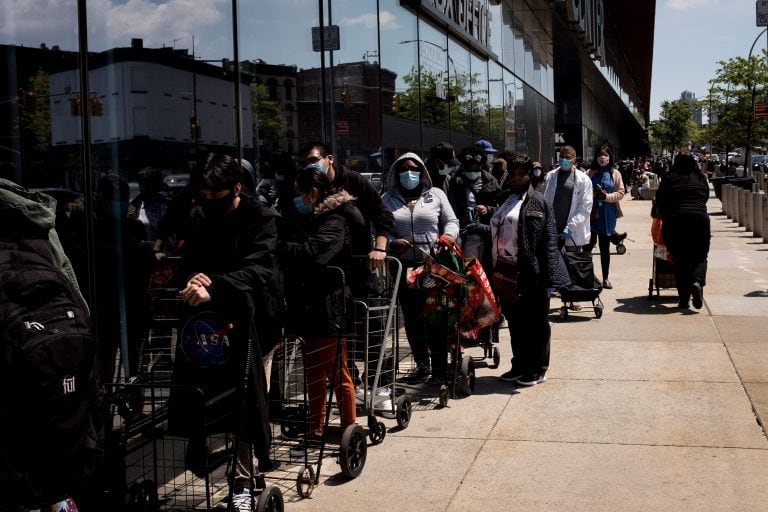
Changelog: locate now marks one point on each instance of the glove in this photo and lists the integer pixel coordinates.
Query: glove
(566, 234)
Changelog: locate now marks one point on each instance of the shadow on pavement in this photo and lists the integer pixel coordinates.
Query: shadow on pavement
(661, 305)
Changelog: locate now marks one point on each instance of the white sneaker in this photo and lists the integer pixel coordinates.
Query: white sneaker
(384, 391)
(241, 502)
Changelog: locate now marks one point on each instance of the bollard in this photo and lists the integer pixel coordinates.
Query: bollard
(749, 223)
(764, 201)
(743, 208)
(729, 211)
(757, 214)
(736, 204)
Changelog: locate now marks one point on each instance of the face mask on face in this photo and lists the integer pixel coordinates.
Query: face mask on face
(319, 165)
(217, 207)
(410, 179)
(279, 177)
(603, 161)
(302, 207)
(445, 171)
(472, 175)
(565, 164)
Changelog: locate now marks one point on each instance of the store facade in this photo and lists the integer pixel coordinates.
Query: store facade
(155, 84)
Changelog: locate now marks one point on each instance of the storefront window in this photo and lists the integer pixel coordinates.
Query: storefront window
(496, 105)
(479, 95)
(435, 68)
(460, 95)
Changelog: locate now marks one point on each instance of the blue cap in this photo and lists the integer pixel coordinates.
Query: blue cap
(486, 146)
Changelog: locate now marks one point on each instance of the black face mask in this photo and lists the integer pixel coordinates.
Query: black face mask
(217, 207)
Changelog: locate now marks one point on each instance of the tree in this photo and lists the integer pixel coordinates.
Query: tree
(675, 128)
(35, 124)
(268, 118)
(737, 85)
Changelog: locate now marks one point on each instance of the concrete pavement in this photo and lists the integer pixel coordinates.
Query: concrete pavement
(647, 408)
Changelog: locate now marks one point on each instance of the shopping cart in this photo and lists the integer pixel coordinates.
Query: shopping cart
(297, 361)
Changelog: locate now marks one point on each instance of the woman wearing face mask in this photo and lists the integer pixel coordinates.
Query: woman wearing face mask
(524, 248)
(474, 190)
(422, 213)
(316, 295)
(608, 189)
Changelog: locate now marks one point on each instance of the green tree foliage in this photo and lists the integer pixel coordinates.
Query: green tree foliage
(675, 128)
(736, 84)
(267, 113)
(34, 124)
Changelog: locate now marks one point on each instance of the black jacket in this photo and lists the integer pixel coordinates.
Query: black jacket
(368, 200)
(539, 262)
(488, 195)
(318, 295)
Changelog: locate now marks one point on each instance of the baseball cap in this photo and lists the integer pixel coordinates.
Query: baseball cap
(486, 146)
(445, 152)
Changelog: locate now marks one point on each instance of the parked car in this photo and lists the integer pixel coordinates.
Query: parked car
(759, 163)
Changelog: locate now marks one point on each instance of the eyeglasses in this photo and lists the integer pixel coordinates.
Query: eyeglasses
(475, 158)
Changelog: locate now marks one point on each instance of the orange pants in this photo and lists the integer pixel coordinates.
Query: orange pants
(319, 358)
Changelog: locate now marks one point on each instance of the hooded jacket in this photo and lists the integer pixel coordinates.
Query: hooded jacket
(317, 296)
(430, 217)
(32, 215)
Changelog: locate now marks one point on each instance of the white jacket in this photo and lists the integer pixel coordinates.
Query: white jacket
(581, 203)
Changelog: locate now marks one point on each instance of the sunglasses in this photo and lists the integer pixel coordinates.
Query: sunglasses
(473, 158)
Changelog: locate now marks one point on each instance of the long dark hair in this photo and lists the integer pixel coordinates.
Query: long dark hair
(602, 149)
(312, 177)
(685, 165)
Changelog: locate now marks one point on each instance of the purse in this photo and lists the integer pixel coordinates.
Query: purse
(504, 281)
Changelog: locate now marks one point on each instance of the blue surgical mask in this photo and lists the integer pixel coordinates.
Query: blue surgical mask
(565, 164)
(472, 175)
(410, 179)
(302, 207)
(318, 165)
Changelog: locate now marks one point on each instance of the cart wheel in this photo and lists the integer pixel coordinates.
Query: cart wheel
(270, 500)
(621, 249)
(564, 312)
(404, 410)
(650, 288)
(496, 357)
(353, 451)
(442, 397)
(143, 495)
(467, 380)
(305, 482)
(377, 431)
(598, 311)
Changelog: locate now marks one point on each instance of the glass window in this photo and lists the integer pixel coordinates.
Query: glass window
(479, 97)
(434, 64)
(496, 105)
(497, 28)
(399, 82)
(460, 95)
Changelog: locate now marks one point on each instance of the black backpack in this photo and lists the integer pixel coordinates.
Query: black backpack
(50, 433)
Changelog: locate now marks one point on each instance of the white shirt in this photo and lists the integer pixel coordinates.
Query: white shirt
(504, 229)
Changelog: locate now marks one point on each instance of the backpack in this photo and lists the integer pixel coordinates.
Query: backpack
(50, 433)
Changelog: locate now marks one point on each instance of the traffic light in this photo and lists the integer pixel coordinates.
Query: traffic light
(29, 99)
(194, 128)
(75, 107)
(97, 107)
(396, 103)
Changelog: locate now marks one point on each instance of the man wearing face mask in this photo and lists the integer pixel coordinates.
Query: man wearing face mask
(474, 190)
(570, 194)
(229, 258)
(488, 151)
(442, 165)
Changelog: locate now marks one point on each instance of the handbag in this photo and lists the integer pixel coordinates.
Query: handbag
(504, 281)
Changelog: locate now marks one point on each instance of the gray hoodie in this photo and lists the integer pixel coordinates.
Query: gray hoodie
(425, 220)
(34, 213)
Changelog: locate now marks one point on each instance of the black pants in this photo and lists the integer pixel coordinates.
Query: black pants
(687, 238)
(529, 332)
(421, 335)
(604, 242)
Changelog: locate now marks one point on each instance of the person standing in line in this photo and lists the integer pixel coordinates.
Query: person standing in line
(229, 254)
(320, 296)
(570, 194)
(442, 165)
(524, 249)
(422, 213)
(681, 201)
(608, 189)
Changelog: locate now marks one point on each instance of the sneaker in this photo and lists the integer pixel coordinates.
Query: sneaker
(510, 376)
(697, 295)
(607, 284)
(682, 305)
(242, 501)
(531, 379)
(383, 391)
(574, 307)
(384, 405)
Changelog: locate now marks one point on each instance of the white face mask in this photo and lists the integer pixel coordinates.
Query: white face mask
(603, 161)
(445, 171)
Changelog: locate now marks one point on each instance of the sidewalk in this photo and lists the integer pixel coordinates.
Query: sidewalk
(644, 409)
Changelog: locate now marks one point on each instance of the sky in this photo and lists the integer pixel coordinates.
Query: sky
(691, 37)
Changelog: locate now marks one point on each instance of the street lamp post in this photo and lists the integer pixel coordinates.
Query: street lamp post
(748, 148)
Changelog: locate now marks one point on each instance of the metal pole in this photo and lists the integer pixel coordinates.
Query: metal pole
(238, 102)
(322, 72)
(748, 148)
(333, 88)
